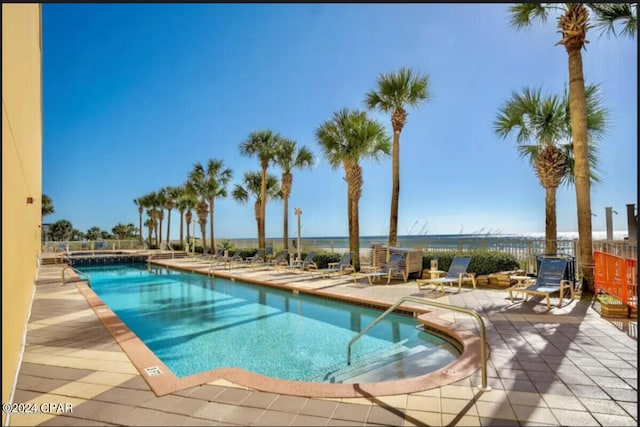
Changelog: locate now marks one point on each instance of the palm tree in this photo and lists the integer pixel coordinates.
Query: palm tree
(261, 144)
(573, 24)
(289, 157)
(186, 201)
(139, 202)
(47, 205)
(252, 185)
(150, 202)
(61, 230)
(93, 233)
(210, 184)
(150, 224)
(345, 139)
(172, 194)
(161, 200)
(394, 92)
(543, 126)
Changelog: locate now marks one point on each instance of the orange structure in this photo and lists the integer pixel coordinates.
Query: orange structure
(617, 277)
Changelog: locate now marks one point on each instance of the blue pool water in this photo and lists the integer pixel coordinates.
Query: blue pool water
(194, 323)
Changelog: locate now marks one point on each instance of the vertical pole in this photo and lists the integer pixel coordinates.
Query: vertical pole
(609, 218)
(632, 222)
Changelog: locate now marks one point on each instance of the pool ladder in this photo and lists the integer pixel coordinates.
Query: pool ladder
(483, 335)
(78, 272)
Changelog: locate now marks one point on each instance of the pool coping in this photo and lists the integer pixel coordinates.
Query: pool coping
(163, 381)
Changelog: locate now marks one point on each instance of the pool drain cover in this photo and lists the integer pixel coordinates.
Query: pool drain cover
(153, 371)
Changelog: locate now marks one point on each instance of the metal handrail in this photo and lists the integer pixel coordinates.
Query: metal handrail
(78, 272)
(483, 338)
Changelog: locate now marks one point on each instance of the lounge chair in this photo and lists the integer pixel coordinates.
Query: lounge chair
(393, 266)
(340, 267)
(306, 264)
(280, 260)
(552, 272)
(258, 258)
(457, 274)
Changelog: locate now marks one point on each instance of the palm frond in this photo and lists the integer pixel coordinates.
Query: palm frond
(607, 15)
(524, 14)
(397, 89)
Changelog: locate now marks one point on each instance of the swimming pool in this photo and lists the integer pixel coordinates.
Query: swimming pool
(194, 323)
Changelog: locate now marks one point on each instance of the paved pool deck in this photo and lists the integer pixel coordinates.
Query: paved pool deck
(566, 366)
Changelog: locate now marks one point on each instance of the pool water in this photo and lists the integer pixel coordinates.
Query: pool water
(194, 323)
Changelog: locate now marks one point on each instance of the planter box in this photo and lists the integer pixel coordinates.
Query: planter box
(614, 310)
(503, 278)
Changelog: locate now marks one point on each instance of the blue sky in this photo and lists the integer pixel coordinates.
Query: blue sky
(135, 94)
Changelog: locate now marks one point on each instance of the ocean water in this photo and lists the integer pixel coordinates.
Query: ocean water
(472, 241)
(522, 246)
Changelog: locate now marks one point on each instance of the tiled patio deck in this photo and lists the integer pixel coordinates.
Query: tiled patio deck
(564, 367)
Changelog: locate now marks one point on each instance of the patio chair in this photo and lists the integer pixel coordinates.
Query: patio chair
(551, 279)
(257, 259)
(280, 260)
(457, 274)
(340, 267)
(393, 266)
(306, 264)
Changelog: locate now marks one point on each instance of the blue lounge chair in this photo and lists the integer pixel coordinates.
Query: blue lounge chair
(552, 273)
(340, 267)
(457, 274)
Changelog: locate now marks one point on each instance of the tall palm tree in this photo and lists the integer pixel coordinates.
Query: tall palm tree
(345, 139)
(139, 202)
(289, 157)
(151, 204)
(573, 24)
(210, 183)
(47, 205)
(150, 224)
(161, 200)
(172, 194)
(185, 202)
(146, 202)
(261, 144)
(394, 92)
(252, 185)
(543, 131)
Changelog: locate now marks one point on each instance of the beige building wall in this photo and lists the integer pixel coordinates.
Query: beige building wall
(21, 177)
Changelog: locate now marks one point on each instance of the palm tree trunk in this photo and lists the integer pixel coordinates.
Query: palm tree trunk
(551, 225)
(168, 225)
(140, 212)
(285, 229)
(287, 180)
(578, 111)
(182, 228)
(213, 242)
(150, 229)
(263, 208)
(354, 191)
(160, 227)
(203, 231)
(395, 190)
(256, 211)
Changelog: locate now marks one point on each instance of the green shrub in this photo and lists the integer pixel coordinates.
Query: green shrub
(482, 262)
(322, 259)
